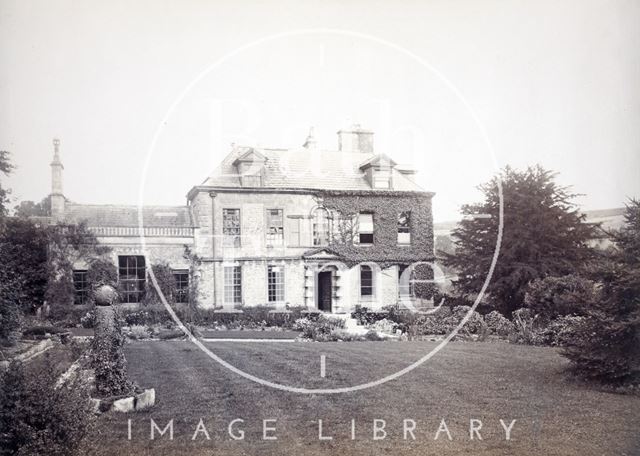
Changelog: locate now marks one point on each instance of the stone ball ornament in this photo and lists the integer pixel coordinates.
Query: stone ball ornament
(106, 295)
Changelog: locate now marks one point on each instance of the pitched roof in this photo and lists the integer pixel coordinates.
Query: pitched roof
(112, 215)
(306, 169)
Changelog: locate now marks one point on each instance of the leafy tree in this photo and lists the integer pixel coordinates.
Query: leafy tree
(67, 244)
(30, 209)
(544, 234)
(101, 271)
(607, 342)
(167, 283)
(5, 168)
(23, 254)
(553, 297)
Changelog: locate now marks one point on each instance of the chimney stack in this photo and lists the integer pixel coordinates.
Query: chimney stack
(57, 196)
(355, 139)
(310, 142)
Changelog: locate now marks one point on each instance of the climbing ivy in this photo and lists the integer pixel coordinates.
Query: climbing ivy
(385, 207)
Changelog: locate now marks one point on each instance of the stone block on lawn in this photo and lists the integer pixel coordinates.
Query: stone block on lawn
(123, 405)
(95, 405)
(146, 399)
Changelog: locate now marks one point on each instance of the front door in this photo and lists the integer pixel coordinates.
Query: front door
(325, 286)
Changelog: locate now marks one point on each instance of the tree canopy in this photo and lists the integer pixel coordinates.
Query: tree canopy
(30, 209)
(543, 234)
(5, 168)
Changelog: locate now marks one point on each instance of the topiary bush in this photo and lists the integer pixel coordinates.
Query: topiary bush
(38, 418)
(107, 355)
(553, 297)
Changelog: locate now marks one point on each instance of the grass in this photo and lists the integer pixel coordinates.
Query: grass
(486, 381)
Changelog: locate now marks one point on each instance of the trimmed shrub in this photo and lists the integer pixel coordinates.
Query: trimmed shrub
(146, 315)
(36, 418)
(42, 330)
(319, 328)
(430, 324)
(474, 324)
(170, 334)
(365, 316)
(553, 297)
(373, 336)
(445, 320)
(139, 332)
(498, 324)
(255, 317)
(384, 326)
(561, 332)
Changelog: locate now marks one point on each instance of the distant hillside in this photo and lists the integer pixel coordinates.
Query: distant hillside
(610, 219)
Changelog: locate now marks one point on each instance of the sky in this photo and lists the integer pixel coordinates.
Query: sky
(147, 96)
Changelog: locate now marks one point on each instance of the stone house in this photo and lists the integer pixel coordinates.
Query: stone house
(322, 229)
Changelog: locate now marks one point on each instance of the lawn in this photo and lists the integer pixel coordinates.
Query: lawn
(485, 381)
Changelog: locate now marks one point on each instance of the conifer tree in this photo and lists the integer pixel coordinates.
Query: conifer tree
(607, 344)
(544, 234)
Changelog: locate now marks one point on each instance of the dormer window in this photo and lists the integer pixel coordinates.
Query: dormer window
(382, 178)
(250, 168)
(378, 171)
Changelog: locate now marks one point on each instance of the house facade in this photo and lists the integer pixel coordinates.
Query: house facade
(322, 229)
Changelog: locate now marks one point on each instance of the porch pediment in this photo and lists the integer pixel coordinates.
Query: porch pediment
(320, 254)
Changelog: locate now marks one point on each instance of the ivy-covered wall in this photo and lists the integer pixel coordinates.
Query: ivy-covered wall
(385, 207)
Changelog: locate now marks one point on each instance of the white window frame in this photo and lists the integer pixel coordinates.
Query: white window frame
(278, 286)
(372, 296)
(359, 230)
(295, 231)
(270, 242)
(230, 288)
(315, 227)
(232, 240)
(404, 233)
